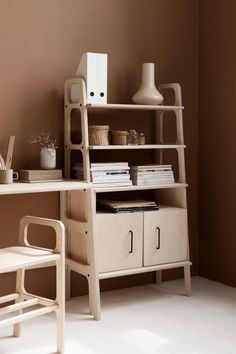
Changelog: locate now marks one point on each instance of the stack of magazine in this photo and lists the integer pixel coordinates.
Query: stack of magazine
(118, 206)
(152, 174)
(107, 174)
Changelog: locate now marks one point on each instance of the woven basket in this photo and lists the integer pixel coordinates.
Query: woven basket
(119, 137)
(98, 134)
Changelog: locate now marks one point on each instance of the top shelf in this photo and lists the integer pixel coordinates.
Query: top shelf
(134, 107)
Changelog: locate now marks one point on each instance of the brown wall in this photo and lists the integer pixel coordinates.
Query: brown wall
(41, 43)
(217, 126)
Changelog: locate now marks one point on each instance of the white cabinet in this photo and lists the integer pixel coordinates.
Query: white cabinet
(119, 241)
(165, 236)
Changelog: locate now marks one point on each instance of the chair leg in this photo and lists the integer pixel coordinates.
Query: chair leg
(68, 283)
(158, 277)
(20, 279)
(60, 313)
(187, 280)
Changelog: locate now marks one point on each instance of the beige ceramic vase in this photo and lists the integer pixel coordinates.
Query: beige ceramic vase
(148, 93)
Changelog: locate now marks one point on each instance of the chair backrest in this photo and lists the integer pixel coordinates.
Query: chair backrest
(57, 225)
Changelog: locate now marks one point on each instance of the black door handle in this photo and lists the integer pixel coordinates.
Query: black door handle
(131, 241)
(158, 246)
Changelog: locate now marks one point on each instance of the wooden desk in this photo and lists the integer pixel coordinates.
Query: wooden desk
(23, 188)
(84, 193)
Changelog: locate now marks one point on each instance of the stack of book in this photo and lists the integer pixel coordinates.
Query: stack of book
(109, 174)
(36, 176)
(121, 206)
(152, 174)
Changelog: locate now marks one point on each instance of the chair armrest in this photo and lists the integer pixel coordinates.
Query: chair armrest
(57, 225)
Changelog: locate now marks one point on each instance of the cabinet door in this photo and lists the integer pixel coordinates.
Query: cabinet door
(119, 241)
(165, 236)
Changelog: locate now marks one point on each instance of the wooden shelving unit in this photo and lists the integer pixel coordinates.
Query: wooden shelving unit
(103, 245)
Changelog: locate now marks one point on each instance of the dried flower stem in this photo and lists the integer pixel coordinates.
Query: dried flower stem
(44, 140)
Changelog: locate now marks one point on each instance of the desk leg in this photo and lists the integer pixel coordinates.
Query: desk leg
(93, 279)
(63, 215)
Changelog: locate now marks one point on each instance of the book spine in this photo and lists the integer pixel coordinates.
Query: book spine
(114, 184)
(151, 167)
(151, 175)
(110, 181)
(110, 168)
(115, 179)
(113, 173)
(109, 164)
(153, 182)
(151, 170)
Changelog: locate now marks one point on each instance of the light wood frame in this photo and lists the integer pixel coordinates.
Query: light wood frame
(175, 194)
(22, 298)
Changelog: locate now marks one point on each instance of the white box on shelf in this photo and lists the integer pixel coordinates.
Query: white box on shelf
(93, 69)
(102, 78)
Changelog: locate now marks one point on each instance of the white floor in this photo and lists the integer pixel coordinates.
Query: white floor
(141, 320)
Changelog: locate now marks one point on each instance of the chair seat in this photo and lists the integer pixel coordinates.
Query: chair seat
(14, 258)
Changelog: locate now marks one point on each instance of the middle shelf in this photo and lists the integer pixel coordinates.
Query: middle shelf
(135, 187)
(136, 147)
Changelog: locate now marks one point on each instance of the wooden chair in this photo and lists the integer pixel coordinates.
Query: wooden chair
(18, 259)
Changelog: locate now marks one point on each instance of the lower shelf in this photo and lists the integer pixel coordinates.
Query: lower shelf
(85, 269)
(121, 273)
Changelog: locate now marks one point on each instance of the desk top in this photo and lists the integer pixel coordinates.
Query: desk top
(22, 188)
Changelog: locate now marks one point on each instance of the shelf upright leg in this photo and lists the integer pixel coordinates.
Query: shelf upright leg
(158, 277)
(67, 130)
(83, 147)
(187, 280)
(159, 139)
(179, 127)
(182, 174)
(181, 161)
(85, 143)
(180, 133)
(92, 269)
(93, 276)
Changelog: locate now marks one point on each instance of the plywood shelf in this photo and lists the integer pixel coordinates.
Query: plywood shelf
(134, 107)
(22, 188)
(136, 147)
(136, 188)
(121, 273)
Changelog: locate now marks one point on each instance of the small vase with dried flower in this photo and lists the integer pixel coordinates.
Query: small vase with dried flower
(47, 151)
